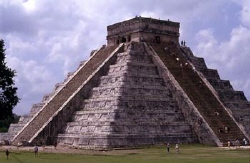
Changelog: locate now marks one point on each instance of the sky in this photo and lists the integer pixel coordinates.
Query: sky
(45, 39)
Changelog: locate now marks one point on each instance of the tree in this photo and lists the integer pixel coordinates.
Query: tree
(8, 93)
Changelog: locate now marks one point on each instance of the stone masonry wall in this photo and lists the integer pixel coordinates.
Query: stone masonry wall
(140, 29)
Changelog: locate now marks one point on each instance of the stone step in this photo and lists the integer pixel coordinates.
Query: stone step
(131, 80)
(134, 69)
(133, 64)
(128, 98)
(128, 92)
(139, 58)
(231, 95)
(124, 122)
(211, 74)
(154, 119)
(37, 107)
(99, 141)
(125, 89)
(134, 53)
(117, 126)
(58, 86)
(199, 63)
(220, 84)
(144, 81)
(167, 110)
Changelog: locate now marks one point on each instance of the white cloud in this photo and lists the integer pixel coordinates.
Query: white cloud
(206, 43)
(245, 13)
(230, 57)
(32, 81)
(29, 5)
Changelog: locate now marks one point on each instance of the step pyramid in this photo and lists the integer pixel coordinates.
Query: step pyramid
(143, 88)
(132, 105)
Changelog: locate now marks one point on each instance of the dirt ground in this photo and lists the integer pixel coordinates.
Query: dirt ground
(67, 150)
(61, 149)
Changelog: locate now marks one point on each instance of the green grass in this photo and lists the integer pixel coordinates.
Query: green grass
(188, 154)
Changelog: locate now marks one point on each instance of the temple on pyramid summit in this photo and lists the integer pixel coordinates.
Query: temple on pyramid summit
(142, 88)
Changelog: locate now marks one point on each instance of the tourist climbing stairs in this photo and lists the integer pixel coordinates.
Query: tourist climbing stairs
(53, 106)
(202, 97)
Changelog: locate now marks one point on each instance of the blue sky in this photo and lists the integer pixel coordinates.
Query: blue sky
(47, 39)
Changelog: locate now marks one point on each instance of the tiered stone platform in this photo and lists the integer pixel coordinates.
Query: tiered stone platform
(132, 106)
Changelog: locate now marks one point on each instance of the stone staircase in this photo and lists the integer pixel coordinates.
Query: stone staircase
(235, 101)
(17, 127)
(132, 106)
(197, 90)
(49, 119)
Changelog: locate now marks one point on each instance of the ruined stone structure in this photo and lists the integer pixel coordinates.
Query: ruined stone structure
(143, 30)
(143, 88)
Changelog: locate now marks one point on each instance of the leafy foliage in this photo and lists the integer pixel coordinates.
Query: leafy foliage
(4, 123)
(8, 97)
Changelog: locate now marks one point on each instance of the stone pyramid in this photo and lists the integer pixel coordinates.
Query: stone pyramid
(143, 88)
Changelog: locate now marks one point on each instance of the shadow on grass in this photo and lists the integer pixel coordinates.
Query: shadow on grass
(17, 159)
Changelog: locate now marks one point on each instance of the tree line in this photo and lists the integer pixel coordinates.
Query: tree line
(8, 92)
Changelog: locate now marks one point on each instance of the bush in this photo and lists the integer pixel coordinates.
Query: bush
(5, 123)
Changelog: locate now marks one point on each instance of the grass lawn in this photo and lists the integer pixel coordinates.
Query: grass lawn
(188, 154)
